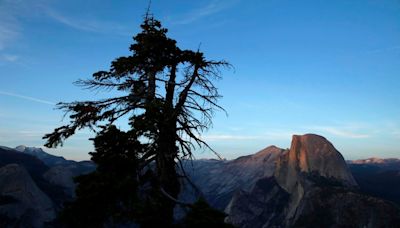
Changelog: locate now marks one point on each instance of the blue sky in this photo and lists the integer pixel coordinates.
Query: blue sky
(325, 67)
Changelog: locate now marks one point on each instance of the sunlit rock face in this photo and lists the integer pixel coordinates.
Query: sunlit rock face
(312, 154)
(23, 204)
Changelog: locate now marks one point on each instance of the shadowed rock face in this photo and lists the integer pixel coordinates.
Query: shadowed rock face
(268, 201)
(218, 180)
(63, 177)
(29, 205)
(338, 207)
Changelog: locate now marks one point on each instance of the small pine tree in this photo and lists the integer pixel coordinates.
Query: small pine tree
(202, 215)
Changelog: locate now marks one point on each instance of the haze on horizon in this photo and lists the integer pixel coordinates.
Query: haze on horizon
(330, 68)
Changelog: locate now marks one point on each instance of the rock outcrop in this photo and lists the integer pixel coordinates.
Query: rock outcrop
(312, 155)
(27, 205)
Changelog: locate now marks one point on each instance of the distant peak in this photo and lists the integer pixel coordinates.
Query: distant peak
(268, 150)
(272, 147)
(21, 148)
(375, 160)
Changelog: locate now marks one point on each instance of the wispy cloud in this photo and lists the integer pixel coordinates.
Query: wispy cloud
(211, 8)
(87, 25)
(227, 137)
(385, 49)
(31, 134)
(70, 22)
(270, 135)
(11, 135)
(12, 11)
(9, 26)
(281, 135)
(8, 32)
(8, 58)
(341, 131)
(393, 128)
(27, 98)
(396, 134)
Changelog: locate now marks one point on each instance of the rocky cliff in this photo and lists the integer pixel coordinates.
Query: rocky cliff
(34, 185)
(311, 187)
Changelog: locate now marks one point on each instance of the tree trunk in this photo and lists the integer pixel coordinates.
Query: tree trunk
(166, 168)
(152, 85)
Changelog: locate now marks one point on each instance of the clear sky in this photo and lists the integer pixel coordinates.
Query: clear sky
(325, 67)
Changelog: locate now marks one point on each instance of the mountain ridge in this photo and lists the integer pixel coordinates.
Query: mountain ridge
(254, 190)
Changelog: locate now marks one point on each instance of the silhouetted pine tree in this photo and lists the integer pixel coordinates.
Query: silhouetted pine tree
(169, 96)
(110, 193)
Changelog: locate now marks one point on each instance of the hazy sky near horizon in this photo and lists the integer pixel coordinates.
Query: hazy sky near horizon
(325, 67)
